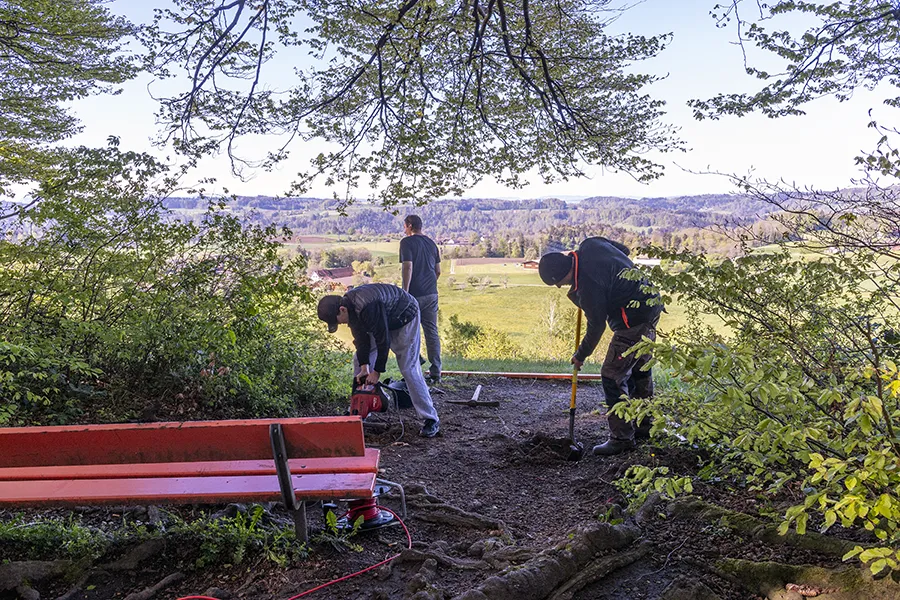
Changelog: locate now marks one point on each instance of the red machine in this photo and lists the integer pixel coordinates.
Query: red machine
(365, 399)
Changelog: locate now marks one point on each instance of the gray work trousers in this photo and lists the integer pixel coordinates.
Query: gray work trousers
(405, 343)
(428, 311)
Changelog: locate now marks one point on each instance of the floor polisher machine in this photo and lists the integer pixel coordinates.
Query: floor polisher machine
(366, 399)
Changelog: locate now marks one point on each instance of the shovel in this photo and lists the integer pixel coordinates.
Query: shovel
(475, 401)
(576, 449)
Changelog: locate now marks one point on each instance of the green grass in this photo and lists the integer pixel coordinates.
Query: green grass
(515, 309)
(513, 303)
(389, 252)
(457, 363)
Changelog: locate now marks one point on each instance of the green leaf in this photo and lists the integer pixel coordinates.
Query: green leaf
(801, 523)
(878, 566)
(870, 554)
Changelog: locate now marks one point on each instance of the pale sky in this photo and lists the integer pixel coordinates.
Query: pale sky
(816, 149)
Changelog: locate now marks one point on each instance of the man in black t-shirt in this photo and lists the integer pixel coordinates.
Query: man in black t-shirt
(420, 262)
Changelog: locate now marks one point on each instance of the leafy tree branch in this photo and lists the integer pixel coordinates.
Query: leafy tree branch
(417, 99)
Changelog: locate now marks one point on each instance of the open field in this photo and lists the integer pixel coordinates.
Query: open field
(516, 309)
(513, 302)
(388, 251)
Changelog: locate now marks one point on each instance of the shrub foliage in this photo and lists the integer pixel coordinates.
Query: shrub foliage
(108, 305)
(801, 386)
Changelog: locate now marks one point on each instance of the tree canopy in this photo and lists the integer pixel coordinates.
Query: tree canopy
(50, 54)
(415, 99)
(849, 45)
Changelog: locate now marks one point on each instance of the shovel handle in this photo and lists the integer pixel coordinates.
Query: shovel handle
(575, 368)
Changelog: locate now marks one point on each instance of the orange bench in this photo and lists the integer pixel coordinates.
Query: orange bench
(262, 460)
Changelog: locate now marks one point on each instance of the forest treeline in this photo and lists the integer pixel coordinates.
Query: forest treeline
(501, 227)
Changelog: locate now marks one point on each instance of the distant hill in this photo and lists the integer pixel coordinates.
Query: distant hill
(490, 216)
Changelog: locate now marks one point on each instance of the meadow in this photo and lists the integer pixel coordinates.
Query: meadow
(504, 296)
(388, 251)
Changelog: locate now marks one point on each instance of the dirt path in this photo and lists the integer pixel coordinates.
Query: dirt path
(485, 505)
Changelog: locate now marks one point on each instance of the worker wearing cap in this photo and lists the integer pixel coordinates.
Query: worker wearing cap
(383, 317)
(597, 287)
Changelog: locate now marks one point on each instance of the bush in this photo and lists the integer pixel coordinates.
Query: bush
(468, 340)
(493, 343)
(458, 335)
(108, 305)
(31, 378)
(800, 388)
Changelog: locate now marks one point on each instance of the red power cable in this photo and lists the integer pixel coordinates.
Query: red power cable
(340, 579)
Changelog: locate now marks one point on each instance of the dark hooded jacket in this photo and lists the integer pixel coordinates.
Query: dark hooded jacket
(377, 309)
(606, 297)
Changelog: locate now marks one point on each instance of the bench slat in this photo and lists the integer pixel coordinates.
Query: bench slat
(299, 466)
(192, 441)
(182, 490)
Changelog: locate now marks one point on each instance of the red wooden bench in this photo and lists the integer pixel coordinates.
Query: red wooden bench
(197, 462)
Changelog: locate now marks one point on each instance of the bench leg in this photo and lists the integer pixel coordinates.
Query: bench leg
(300, 522)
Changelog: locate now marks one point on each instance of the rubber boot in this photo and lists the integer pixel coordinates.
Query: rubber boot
(621, 437)
(642, 429)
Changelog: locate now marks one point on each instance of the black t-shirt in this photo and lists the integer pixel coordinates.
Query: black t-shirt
(424, 255)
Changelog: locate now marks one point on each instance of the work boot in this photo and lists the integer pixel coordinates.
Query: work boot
(430, 429)
(621, 437)
(642, 429)
(613, 446)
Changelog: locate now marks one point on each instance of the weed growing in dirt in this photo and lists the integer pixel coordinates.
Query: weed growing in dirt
(40, 540)
(337, 536)
(612, 515)
(230, 540)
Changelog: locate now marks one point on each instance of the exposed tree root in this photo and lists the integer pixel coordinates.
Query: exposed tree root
(778, 581)
(686, 589)
(79, 585)
(137, 556)
(151, 591)
(501, 558)
(650, 509)
(14, 574)
(452, 515)
(540, 576)
(695, 508)
(374, 428)
(442, 558)
(433, 510)
(597, 570)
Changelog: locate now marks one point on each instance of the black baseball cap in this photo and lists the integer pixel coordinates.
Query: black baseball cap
(328, 311)
(554, 267)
